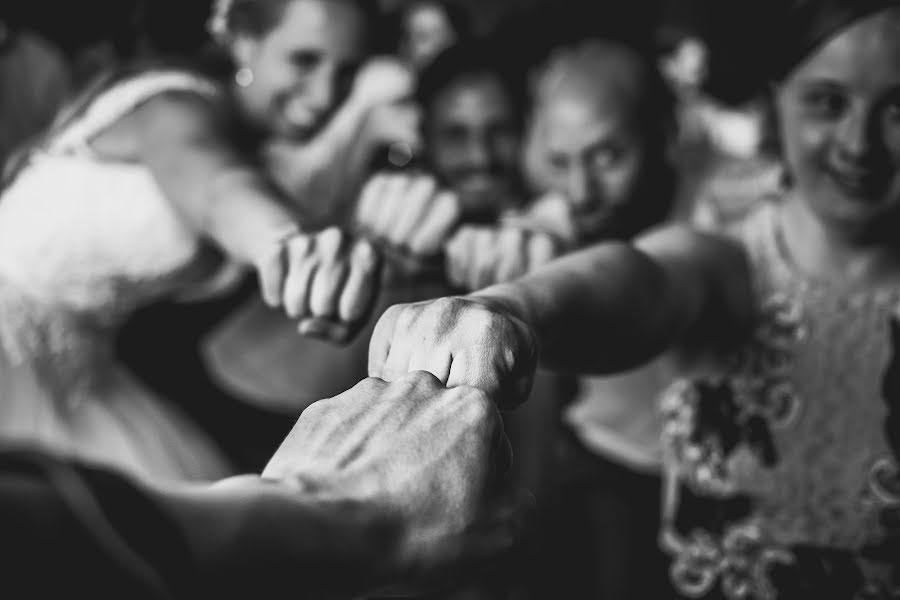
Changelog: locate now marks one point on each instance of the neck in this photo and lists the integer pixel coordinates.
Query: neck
(824, 253)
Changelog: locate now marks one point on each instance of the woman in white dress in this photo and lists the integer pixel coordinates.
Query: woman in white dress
(142, 190)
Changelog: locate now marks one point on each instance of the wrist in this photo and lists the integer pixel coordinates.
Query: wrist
(509, 299)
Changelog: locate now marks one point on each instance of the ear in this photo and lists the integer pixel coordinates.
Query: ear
(243, 49)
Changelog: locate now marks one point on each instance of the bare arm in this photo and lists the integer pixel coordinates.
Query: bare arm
(219, 191)
(602, 310)
(322, 279)
(617, 305)
(384, 485)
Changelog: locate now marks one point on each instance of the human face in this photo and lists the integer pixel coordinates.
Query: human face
(839, 115)
(302, 68)
(593, 154)
(472, 135)
(428, 32)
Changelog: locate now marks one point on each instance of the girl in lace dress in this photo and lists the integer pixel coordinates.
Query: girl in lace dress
(782, 474)
(142, 190)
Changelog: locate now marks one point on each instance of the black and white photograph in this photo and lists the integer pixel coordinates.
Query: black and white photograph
(450, 299)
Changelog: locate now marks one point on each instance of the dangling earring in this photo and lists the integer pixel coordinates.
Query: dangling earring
(244, 77)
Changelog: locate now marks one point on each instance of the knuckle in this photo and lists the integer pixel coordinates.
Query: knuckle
(370, 385)
(477, 407)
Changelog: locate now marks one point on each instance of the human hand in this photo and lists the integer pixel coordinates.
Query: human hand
(463, 341)
(382, 80)
(430, 458)
(407, 213)
(479, 256)
(324, 280)
(394, 123)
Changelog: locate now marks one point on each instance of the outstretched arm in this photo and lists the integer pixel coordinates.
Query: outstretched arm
(617, 305)
(385, 486)
(321, 278)
(601, 310)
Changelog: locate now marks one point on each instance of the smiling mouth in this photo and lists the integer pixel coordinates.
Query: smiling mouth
(859, 184)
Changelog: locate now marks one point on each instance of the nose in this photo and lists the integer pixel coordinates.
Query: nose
(856, 136)
(478, 152)
(579, 188)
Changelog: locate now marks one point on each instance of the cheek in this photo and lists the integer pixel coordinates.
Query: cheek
(803, 145)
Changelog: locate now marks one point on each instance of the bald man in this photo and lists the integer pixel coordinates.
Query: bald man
(597, 139)
(596, 149)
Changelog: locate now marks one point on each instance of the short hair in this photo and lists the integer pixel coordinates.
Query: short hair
(471, 59)
(655, 105)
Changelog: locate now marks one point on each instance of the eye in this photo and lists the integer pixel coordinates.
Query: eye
(306, 60)
(825, 103)
(606, 156)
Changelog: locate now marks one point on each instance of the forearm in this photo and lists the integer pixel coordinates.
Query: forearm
(601, 310)
(243, 215)
(253, 538)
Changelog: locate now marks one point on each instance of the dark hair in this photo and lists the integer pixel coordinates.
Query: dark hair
(472, 59)
(804, 25)
(258, 17)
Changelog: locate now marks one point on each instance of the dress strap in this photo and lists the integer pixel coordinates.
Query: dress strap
(122, 99)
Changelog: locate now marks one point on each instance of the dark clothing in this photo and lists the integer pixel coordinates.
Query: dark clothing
(84, 532)
(601, 534)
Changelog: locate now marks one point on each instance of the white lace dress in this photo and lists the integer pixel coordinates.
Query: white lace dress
(83, 242)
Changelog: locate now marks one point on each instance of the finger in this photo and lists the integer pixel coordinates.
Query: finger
(382, 337)
(403, 343)
(487, 253)
(301, 265)
(326, 329)
(416, 206)
(541, 249)
(457, 257)
(442, 218)
(436, 362)
(476, 367)
(271, 271)
(512, 254)
(329, 278)
(367, 207)
(361, 287)
(390, 205)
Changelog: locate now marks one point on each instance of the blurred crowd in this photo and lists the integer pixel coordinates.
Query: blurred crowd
(662, 231)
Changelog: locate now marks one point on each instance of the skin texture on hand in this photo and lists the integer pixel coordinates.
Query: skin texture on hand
(463, 341)
(431, 459)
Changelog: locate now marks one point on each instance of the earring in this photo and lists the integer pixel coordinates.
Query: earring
(244, 77)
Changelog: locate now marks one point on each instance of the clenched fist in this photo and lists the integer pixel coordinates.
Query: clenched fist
(463, 341)
(408, 213)
(433, 459)
(325, 280)
(479, 256)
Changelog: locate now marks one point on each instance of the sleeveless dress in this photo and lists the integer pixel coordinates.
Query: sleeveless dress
(83, 243)
(782, 478)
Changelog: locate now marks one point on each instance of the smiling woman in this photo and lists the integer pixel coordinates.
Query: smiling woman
(141, 189)
(295, 59)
